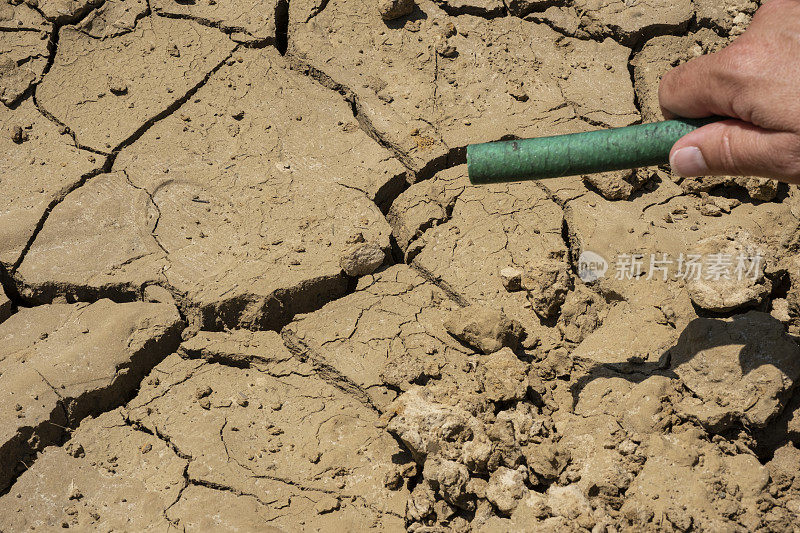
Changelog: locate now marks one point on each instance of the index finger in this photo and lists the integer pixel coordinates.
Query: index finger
(699, 88)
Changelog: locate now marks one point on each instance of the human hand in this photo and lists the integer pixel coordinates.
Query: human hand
(756, 81)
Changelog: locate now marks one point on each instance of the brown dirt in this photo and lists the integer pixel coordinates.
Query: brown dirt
(246, 285)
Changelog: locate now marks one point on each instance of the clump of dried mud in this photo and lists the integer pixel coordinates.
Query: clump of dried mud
(246, 284)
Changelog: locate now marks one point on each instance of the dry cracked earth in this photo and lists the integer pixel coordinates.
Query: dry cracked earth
(248, 287)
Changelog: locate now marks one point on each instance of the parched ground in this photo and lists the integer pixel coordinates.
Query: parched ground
(247, 286)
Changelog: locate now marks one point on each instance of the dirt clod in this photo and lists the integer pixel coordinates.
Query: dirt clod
(487, 330)
(362, 259)
(503, 375)
(18, 135)
(547, 285)
(394, 9)
(506, 487)
(511, 278)
(735, 374)
(734, 272)
(117, 86)
(327, 504)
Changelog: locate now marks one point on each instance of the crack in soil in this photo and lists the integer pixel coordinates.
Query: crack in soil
(324, 370)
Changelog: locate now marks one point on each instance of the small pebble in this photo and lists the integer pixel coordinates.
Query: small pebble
(117, 87)
(18, 135)
(511, 278)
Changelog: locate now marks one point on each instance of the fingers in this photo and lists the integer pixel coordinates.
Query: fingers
(732, 147)
(696, 89)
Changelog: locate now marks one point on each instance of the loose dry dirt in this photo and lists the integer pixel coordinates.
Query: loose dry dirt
(247, 286)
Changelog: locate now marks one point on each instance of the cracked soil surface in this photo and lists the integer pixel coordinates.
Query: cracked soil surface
(247, 286)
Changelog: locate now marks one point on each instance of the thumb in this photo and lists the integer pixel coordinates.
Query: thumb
(733, 147)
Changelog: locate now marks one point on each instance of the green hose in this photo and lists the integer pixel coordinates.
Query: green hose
(641, 145)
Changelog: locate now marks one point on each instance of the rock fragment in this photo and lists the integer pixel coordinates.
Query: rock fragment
(583, 312)
(761, 189)
(779, 310)
(506, 488)
(742, 368)
(729, 16)
(426, 426)
(394, 9)
(511, 278)
(447, 51)
(157, 294)
(485, 329)
(361, 259)
(450, 479)
(18, 135)
(503, 376)
(62, 363)
(617, 185)
(718, 205)
(421, 503)
(547, 284)
(545, 460)
(327, 504)
(117, 86)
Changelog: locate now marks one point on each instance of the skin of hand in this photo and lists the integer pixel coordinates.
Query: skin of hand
(755, 81)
